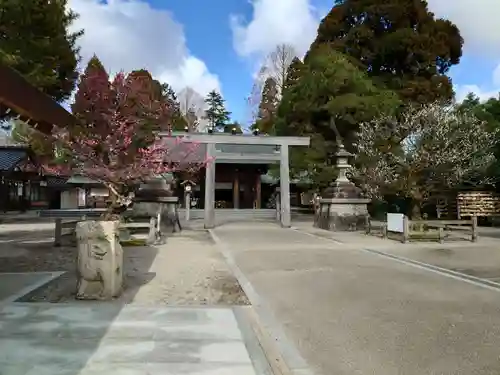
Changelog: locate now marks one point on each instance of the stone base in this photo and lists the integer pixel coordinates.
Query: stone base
(149, 209)
(100, 260)
(343, 222)
(342, 214)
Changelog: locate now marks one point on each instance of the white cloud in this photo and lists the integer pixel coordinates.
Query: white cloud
(480, 30)
(296, 21)
(130, 34)
(293, 22)
(496, 76)
(484, 93)
(477, 21)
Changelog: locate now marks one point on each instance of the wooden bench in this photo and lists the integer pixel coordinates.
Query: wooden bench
(66, 219)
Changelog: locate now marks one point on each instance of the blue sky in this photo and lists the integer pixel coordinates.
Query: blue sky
(209, 37)
(220, 43)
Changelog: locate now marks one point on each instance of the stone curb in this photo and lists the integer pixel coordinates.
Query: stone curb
(28, 289)
(284, 358)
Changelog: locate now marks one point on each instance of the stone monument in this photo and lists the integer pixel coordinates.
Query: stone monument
(154, 200)
(342, 206)
(100, 260)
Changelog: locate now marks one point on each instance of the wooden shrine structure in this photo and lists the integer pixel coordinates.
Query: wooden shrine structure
(232, 153)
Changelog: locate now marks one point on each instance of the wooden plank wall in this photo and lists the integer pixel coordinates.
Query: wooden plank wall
(478, 203)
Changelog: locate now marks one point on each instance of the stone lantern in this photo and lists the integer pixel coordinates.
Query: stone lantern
(156, 199)
(342, 205)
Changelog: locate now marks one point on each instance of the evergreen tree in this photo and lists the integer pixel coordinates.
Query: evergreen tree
(179, 122)
(93, 97)
(330, 91)
(164, 93)
(268, 107)
(36, 41)
(398, 42)
(293, 73)
(216, 112)
(234, 127)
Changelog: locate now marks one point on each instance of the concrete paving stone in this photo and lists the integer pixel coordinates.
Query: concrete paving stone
(77, 352)
(99, 339)
(16, 368)
(120, 329)
(180, 351)
(216, 325)
(165, 316)
(143, 369)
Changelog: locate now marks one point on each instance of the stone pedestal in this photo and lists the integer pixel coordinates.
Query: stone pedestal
(155, 201)
(343, 214)
(342, 205)
(100, 260)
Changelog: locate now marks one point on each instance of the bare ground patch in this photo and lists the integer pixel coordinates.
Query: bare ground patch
(187, 270)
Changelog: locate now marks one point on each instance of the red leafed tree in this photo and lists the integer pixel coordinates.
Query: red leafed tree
(113, 141)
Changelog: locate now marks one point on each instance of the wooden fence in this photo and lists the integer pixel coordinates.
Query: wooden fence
(430, 229)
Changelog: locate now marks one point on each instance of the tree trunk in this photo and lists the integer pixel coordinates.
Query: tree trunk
(118, 204)
(416, 210)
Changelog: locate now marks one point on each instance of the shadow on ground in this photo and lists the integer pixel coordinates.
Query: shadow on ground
(60, 338)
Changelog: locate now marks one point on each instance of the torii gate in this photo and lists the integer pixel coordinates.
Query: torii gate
(212, 139)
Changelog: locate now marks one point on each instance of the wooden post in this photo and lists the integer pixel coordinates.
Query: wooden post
(210, 187)
(286, 220)
(278, 208)
(367, 224)
(258, 191)
(406, 229)
(58, 233)
(187, 203)
(236, 190)
(328, 221)
(474, 228)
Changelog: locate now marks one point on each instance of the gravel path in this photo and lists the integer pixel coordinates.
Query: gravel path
(187, 270)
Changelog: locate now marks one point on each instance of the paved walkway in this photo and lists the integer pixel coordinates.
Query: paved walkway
(45, 339)
(149, 336)
(351, 311)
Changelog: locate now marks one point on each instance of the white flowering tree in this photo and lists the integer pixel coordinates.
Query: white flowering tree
(426, 149)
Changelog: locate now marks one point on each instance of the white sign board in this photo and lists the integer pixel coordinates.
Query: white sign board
(395, 223)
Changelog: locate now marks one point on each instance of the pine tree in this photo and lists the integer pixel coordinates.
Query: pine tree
(216, 113)
(36, 41)
(179, 122)
(268, 107)
(330, 91)
(93, 97)
(293, 73)
(398, 42)
(234, 127)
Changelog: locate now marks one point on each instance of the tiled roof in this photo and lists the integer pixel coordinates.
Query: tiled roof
(10, 157)
(55, 181)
